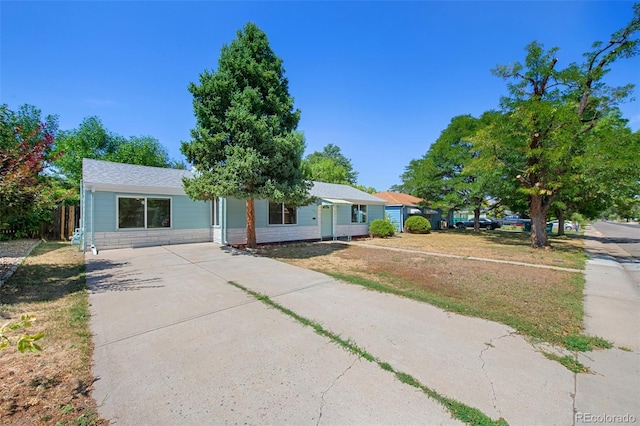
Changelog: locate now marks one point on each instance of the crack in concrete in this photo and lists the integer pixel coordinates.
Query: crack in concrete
(573, 399)
(494, 398)
(322, 396)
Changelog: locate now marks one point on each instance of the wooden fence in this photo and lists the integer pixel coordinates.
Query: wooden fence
(65, 220)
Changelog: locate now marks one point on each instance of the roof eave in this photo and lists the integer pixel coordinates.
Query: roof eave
(133, 189)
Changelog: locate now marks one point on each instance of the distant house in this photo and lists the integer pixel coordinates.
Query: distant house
(402, 206)
(124, 205)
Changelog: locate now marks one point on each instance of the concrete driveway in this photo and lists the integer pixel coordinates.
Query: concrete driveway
(176, 343)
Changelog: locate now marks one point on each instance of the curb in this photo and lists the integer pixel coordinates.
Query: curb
(14, 267)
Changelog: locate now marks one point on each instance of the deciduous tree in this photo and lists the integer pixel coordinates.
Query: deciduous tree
(331, 166)
(25, 143)
(445, 176)
(549, 115)
(245, 144)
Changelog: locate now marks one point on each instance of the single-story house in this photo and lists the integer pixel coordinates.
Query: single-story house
(124, 205)
(402, 206)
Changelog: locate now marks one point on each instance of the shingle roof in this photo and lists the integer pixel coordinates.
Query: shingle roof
(105, 175)
(343, 192)
(399, 198)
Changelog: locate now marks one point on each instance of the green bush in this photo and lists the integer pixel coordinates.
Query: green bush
(381, 228)
(417, 225)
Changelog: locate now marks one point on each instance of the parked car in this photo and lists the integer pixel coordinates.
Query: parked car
(514, 220)
(485, 223)
(568, 225)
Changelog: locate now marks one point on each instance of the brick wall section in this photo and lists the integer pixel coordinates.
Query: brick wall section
(293, 233)
(274, 234)
(150, 237)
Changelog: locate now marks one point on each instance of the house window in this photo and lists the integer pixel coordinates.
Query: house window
(144, 212)
(358, 213)
(215, 212)
(281, 214)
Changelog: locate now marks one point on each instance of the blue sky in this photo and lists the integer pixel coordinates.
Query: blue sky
(379, 79)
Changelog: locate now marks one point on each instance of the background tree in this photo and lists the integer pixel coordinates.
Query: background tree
(548, 116)
(245, 144)
(608, 172)
(444, 175)
(331, 166)
(89, 140)
(142, 150)
(25, 144)
(92, 140)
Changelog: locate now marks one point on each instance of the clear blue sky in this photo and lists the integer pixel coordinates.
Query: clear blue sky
(379, 79)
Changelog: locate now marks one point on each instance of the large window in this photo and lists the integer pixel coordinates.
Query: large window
(358, 213)
(144, 212)
(281, 214)
(215, 212)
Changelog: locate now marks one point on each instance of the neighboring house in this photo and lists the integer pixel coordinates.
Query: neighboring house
(402, 206)
(124, 205)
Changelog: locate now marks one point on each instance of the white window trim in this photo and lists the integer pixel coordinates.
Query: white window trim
(145, 227)
(280, 224)
(359, 218)
(215, 206)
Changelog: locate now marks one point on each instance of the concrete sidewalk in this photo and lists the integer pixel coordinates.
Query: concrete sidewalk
(175, 343)
(612, 311)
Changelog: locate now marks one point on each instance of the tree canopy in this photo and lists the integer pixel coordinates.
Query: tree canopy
(550, 119)
(25, 144)
(245, 144)
(445, 175)
(331, 166)
(92, 140)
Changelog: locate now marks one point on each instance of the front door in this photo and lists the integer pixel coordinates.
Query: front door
(326, 222)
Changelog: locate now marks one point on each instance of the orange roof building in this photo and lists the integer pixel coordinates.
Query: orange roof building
(398, 198)
(401, 206)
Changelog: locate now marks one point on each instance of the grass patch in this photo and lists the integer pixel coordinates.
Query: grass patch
(582, 343)
(571, 363)
(500, 245)
(544, 304)
(52, 386)
(458, 410)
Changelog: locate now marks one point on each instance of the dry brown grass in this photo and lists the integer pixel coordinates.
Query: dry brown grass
(53, 385)
(501, 245)
(542, 303)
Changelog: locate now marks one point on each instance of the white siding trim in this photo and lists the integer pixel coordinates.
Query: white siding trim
(151, 237)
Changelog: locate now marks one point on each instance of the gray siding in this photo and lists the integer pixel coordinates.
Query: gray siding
(375, 212)
(237, 214)
(185, 213)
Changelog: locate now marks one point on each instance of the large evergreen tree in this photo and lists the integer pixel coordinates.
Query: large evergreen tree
(245, 144)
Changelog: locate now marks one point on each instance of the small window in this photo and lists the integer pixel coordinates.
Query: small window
(142, 212)
(281, 214)
(359, 213)
(215, 212)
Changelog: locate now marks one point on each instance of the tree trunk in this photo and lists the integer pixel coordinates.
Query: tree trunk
(560, 214)
(251, 224)
(538, 208)
(476, 219)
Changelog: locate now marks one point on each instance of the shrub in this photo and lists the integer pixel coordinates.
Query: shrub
(417, 225)
(381, 228)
